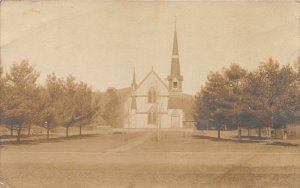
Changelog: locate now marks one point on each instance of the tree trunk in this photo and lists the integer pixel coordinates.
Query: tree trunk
(67, 131)
(240, 133)
(48, 131)
(80, 126)
(248, 131)
(19, 134)
(284, 132)
(29, 127)
(219, 133)
(259, 132)
(11, 131)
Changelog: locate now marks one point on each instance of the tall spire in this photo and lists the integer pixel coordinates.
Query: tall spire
(175, 65)
(133, 80)
(175, 43)
(175, 78)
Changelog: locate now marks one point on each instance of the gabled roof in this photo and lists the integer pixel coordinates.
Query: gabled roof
(175, 102)
(155, 74)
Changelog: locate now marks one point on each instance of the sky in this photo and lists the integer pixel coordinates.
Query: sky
(102, 42)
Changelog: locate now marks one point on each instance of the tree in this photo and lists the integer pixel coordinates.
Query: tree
(201, 109)
(211, 106)
(113, 109)
(253, 116)
(84, 108)
(52, 103)
(2, 93)
(267, 97)
(236, 77)
(1, 90)
(21, 85)
(69, 113)
(276, 93)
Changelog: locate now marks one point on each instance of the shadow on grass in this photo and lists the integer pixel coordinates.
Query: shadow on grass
(34, 140)
(255, 138)
(276, 143)
(247, 139)
(233, 139)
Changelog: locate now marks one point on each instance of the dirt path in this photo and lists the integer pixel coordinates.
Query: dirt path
(131, 144)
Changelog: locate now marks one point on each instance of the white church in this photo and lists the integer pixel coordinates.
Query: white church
(154, 103)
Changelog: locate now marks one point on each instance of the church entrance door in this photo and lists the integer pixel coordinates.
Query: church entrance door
(175, 119)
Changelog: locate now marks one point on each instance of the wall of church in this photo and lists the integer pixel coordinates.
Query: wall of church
(143, 106)
(139, 118)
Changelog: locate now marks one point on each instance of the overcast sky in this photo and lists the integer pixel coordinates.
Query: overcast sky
(100, 42)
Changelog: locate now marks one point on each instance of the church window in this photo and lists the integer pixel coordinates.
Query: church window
(151, 116)
(152, 96)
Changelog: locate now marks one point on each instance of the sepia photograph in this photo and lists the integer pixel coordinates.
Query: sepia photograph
(150, 94)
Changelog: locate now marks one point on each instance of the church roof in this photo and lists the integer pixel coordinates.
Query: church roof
(175, 102)
(155, 74)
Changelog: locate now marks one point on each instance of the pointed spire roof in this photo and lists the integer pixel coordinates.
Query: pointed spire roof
(175, 43)
(133, 80)
(175, 65)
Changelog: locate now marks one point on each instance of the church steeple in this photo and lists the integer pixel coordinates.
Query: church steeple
(175, 44)
(133, 85)
(133, 88)
(175, 78)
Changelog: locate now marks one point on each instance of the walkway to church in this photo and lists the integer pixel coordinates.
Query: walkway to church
(178, 160)
(131, 144)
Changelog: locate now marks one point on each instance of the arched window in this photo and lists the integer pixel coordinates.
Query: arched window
(175, 84)
(152, 116)
(151, 96)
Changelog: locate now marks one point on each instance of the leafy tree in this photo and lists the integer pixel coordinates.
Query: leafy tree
(276, 93)
(212, 107)
(51, 103)
(2, 90)
(266, 97)
(84, 109)
(69, 101)
(253, 116)
(201, 108)
(113, 110)
(21, 85)
(236, 79)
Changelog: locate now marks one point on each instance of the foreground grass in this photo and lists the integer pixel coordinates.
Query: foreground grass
(177, 160)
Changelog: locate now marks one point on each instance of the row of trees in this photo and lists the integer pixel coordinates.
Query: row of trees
(236, 98)
(59, 102)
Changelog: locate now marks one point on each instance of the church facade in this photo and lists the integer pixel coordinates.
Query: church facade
(154, 103)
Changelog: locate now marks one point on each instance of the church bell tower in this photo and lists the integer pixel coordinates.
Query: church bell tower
(175, 78)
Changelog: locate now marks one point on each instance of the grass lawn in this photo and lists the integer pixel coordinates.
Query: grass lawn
(177, 160)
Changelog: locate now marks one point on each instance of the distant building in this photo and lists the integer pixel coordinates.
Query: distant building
(154, 103)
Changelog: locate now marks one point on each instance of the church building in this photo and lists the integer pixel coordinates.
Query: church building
(154, 103)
